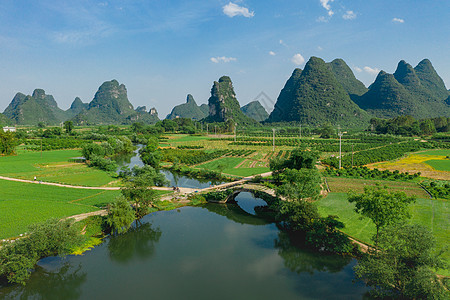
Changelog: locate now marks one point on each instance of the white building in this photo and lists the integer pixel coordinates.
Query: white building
(7, 128)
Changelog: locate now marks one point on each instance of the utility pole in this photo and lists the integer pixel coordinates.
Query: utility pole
(207, 125)
(235, 125)
(340, 144)
(215, 130)
(300, 131)
(273, 142)
(352, 155)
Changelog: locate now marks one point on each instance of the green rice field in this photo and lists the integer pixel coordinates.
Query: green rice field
(23, 204)
(53, 166)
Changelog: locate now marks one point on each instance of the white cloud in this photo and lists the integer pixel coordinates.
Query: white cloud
(283, 43)
(322, 19)
(298, 59)
(357, 69)
(349, 15)
(233, 10)
(326, 4)
(319, 48)
(398, 20)
(224, 59)
(272, 53)
(371, 70)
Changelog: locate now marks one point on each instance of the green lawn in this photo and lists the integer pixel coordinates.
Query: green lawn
(431, 213)
(22, 204)
(439, 164)
(52, 166)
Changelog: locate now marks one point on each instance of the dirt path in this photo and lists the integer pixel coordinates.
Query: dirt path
(106, 188)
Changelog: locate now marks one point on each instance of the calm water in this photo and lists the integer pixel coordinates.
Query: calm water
(173, 178)
(212, 252)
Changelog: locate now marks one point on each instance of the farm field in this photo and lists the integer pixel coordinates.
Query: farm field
(53, 166)
(440, 165)
(431, 213)
(344, 185)
(432, 164)
(22, 204)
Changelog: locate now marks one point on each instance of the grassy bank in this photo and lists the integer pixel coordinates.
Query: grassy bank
(432, 213)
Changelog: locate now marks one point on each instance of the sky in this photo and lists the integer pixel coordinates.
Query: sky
(163, 50)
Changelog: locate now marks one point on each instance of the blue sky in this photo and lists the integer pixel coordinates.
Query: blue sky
(163, 50)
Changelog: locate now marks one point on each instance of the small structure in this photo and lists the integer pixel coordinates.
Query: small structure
(8, 128)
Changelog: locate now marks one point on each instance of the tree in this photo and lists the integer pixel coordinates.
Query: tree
(297, 215)
(325, 235)
(120, 216)
(68, 126)
(327, 131)
(137, 190)
(302, 158)
(402, 265)
(8, 142)
(382, 207)
(300, 184)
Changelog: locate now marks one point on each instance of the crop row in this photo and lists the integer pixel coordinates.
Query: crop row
(53, 144)
(366, 173)
(385, 153)
(190, 157)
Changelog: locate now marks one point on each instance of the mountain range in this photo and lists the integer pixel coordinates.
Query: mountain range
(320, 93)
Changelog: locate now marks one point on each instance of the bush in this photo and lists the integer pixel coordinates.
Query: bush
(51, 238)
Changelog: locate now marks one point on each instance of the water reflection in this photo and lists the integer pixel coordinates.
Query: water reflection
(299, 259)
(235, 213)
(64, 282)
(138, 243)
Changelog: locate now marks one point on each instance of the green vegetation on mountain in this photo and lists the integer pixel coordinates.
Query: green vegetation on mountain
(430, 79)
(387, 98)
(223, 105)
(76, 107)
(4, 120)
(30, 110)
(189, 110)
(141, 109)
(314, 96)
(255, 111)
(109, 106)
(418, 92)
(345, 76)
(205, 109)
(286, 97)
(142, 116)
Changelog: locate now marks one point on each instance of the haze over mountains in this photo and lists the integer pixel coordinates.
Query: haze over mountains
(321, 93)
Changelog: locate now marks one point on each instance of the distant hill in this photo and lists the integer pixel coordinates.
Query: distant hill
(76, 107)
(418, 92)
(109, 106)
(255, 111)
(205, 109)
(189, 110)
(30, 110)
(223, 105)
(141, 115)
(314, 96)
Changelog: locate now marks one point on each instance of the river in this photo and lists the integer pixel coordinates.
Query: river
(216, 251)
(174, 179)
